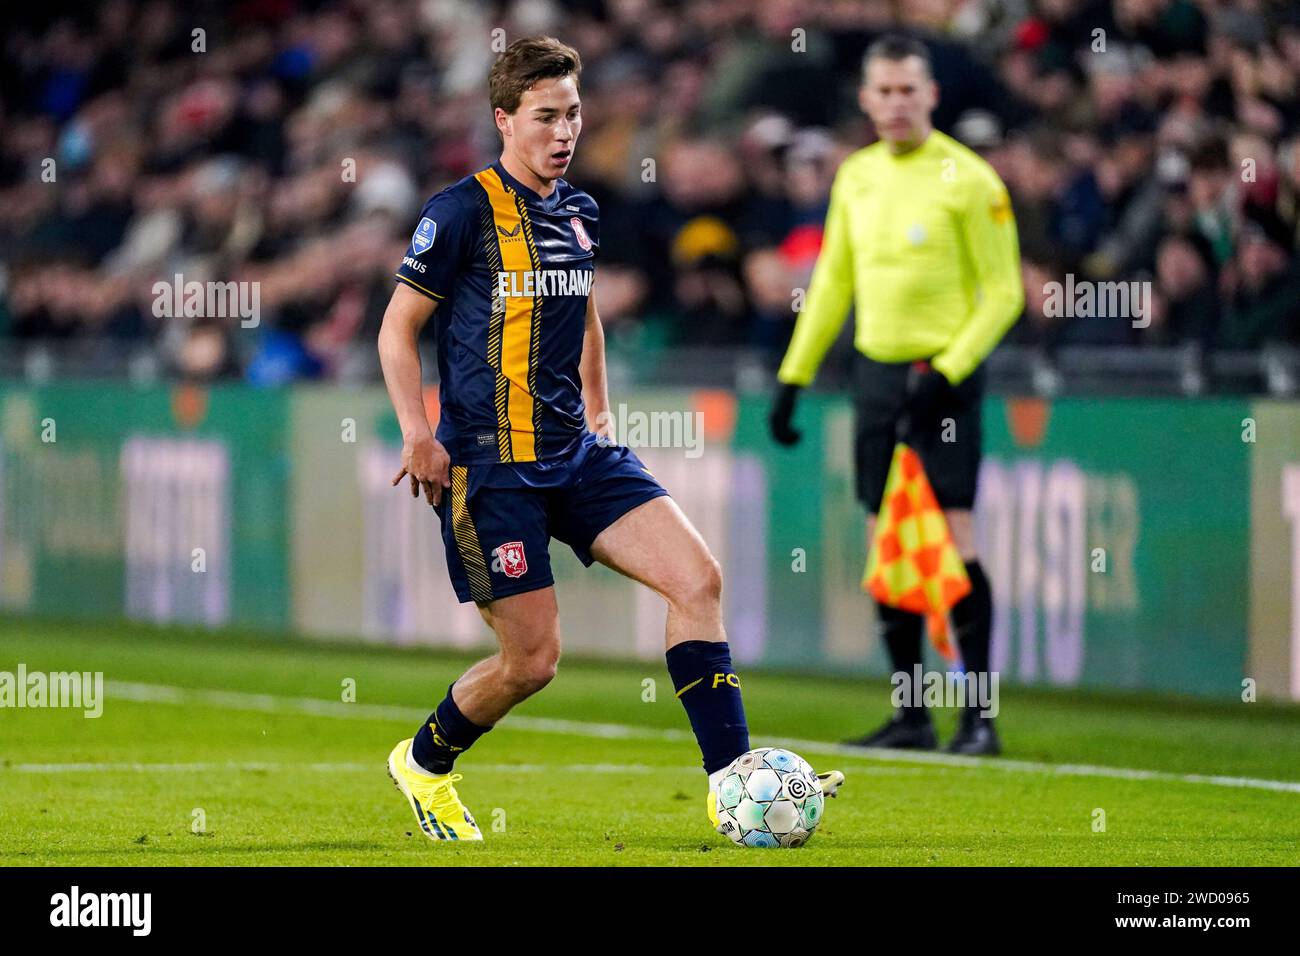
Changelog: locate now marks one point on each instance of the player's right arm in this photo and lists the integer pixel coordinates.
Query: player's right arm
(424, 460)
(440, 248)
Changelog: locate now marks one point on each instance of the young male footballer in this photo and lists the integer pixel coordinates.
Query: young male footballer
(921, 241)
(504, 259)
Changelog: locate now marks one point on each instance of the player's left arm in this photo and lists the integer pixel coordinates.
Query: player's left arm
(591, 368)
(993, 251)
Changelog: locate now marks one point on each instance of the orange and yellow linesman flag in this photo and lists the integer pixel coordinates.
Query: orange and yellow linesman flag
(913, 563)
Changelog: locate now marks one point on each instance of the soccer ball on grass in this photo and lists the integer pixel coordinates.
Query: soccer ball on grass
(769, 797)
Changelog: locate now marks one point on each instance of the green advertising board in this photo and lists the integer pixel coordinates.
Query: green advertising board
(157, 504)
(1143, 544)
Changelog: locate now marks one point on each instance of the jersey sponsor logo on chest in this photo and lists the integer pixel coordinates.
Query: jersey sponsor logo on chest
(544, 282)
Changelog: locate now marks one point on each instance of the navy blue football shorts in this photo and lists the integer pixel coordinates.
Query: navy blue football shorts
(498, 519)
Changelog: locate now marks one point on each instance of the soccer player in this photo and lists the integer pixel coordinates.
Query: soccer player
(504, 259)
(921, 241)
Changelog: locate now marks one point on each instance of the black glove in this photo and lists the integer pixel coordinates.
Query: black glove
(928, 392)
(782, 412)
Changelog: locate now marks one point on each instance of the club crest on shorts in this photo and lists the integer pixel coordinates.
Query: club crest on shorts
(578, 230)
(511, 558)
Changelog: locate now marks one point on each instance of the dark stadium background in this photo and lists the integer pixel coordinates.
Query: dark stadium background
(226, 165)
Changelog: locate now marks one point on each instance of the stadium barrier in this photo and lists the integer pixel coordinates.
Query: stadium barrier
(1146, 544)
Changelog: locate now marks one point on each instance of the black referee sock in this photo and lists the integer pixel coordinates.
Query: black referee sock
(710, 691)
(444, 736)
(972, 618)
(901, 633)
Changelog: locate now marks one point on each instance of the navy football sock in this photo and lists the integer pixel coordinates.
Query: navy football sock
(710, 691)
(444, 736)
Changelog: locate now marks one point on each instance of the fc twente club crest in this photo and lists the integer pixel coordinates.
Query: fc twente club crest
(513, 562)
(578, 230)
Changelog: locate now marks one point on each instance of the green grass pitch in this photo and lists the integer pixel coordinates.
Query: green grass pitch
(592, 774)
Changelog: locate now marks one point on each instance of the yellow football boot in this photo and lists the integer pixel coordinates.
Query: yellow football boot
(831, 782)
(434, 801)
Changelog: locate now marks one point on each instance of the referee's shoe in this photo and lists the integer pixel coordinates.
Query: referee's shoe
(975, 735)
(909, 728)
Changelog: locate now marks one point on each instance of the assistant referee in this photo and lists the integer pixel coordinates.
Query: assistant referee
(920, 239)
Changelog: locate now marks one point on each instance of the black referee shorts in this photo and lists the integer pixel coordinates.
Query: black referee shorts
(879, 395)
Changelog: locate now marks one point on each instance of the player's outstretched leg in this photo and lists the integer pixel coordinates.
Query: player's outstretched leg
(527, 628)
(656, 545)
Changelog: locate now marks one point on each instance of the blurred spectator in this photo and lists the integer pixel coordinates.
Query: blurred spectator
(1187, 309)
(294, 146)
(1263, 285)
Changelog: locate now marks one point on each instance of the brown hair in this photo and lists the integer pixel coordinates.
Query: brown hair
(524, 63)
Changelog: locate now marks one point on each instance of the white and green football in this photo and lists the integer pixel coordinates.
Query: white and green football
(769, 797)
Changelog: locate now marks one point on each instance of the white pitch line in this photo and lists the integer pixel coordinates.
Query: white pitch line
(356, 766)
(270, 703)
(195, 767)
(352, 767)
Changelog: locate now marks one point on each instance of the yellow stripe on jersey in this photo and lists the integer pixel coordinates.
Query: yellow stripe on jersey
(517, 353)
(467, 543)
(496, 323)
(403, 278)
(534, 343)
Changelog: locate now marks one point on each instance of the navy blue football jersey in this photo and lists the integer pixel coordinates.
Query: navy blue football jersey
(511, 272)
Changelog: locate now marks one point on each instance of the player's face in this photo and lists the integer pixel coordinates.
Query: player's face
(542, 132)
(899, 96)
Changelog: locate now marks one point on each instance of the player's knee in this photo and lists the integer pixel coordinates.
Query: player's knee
(711, 583)
(540, 671)
(527, 674)
(701, 588)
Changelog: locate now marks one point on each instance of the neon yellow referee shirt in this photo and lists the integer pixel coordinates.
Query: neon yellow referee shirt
(924, 245)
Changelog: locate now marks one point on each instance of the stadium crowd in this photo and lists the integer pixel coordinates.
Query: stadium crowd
(292, 143)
